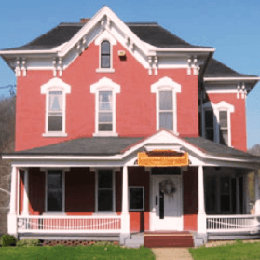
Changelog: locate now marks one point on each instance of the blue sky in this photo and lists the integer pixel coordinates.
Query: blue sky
(231, 27)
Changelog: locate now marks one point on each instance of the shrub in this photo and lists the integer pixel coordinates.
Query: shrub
(7, 240)
(28, 242)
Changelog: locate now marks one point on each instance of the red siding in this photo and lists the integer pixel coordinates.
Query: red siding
(139, 221)
(136, 105)
(190, 198)
(237, 119)
(79, 191)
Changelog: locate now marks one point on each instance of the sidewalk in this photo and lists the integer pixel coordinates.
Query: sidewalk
(172, 254)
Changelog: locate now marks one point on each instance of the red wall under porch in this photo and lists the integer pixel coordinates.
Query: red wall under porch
(190, 198)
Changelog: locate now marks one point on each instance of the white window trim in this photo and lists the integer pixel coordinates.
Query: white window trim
(167, 83)
(46, 190)
(105, 36)
(55, 84)
(105, 84)
(221, 106)
(96, 190)
(133, 210)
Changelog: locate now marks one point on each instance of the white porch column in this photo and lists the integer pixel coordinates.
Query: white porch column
(12, 215)
(201, 203)
(125, 216)
(257, 199)
(26, 194)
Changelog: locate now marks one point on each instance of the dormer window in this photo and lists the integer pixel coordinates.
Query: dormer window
(55, 119)
(216, 124)
(105, 41)
(105, 54)
(166, 89)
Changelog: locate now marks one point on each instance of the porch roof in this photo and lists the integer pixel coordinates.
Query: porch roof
(110, 146)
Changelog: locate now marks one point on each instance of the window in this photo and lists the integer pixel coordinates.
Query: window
(216, 124)
(105, 91)
(165, 110)
(136, 196)
(55, 111)
(166, 89)
(105, 113)
(105, 41)
(55, 191)
(105, 54)
(105, 191)
(55, 121)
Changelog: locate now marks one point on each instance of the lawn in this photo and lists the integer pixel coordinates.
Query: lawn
(77, 253)
(237, 251)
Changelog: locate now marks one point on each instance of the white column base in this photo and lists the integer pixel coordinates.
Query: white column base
(202, 229)
(125, 227)
(12, 224)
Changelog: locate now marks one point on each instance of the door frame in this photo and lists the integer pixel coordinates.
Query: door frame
(153, 219)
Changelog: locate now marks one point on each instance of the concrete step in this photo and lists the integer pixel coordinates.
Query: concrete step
(134, 242)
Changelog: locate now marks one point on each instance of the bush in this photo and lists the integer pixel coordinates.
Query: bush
(28, 242)
(7, 240)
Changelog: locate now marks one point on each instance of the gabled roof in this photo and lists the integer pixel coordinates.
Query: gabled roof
(149, 32)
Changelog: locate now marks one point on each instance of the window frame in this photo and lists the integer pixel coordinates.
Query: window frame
(55, 84)
(97, 189)
(105, 84)
(166, 84)
(217, 108)
(63, 189)
(105, 36)
(134, 187)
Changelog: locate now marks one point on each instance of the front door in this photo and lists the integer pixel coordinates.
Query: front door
(168, 207)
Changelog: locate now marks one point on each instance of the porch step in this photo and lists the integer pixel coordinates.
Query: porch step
(168, 239)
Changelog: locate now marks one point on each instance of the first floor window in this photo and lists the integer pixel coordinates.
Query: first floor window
(105, 114)
(55, 111)
(165, 109)
(105, 191)
(136, 195)
(54, 191)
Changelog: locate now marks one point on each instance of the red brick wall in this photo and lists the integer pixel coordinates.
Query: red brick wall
(237, 119)
(139, 220)
(135, 104)
(190, 198)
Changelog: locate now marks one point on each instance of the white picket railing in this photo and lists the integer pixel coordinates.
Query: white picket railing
(232, 223)
(69, 224)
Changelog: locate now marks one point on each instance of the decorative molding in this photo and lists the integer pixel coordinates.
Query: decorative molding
(20, 67)
(241, 91)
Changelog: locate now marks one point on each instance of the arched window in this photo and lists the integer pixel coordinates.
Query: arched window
(105, 54)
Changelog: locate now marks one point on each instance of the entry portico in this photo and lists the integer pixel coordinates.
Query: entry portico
(100, 190)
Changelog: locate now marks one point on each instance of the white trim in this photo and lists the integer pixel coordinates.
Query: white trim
(163, 84)
(46, 190)
(55, 84)
(238, 78)
(132, 187)
(113, 189)
(25, 194)
(105, 84)
(216, 108)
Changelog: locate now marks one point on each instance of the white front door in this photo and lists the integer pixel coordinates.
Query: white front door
(167, 209)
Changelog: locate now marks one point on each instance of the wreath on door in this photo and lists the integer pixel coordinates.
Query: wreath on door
(167, 187)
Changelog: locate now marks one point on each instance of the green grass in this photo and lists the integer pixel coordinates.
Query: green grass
(237, 251)
(77, 253)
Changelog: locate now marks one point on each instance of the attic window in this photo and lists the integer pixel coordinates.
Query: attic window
(105, 54)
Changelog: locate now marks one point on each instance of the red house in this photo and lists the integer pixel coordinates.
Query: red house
(124, 128)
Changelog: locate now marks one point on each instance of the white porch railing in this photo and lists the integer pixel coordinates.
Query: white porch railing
(232, 223)
(69, 224)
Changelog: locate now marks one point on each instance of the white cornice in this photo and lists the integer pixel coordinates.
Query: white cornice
(238, 78)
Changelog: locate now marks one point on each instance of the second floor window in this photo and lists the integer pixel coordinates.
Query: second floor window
(223, 127)
(105, 54)
(209, 126)
(55, 111)
(105, 114)
(165, 110)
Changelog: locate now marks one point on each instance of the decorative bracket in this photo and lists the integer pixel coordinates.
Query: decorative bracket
(241, 89)
(20, 68)
(57, 66)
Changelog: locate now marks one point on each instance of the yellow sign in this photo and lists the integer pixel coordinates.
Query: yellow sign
(159, 158)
